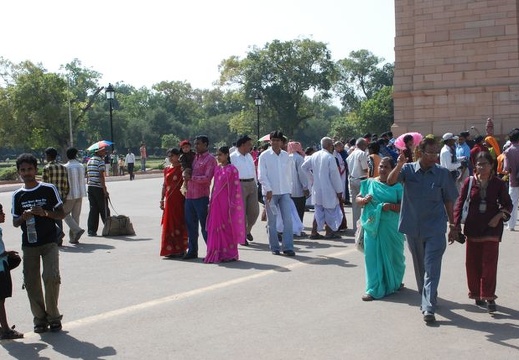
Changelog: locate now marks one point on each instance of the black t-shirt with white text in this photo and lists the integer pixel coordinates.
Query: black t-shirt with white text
(44, 195)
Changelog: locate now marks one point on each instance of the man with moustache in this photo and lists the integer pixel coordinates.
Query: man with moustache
(242, 160)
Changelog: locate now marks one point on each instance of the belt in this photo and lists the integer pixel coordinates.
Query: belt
(247, 180)
(361, 178)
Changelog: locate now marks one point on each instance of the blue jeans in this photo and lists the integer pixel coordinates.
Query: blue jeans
(195, 212)
(285, 203)
(427, 253)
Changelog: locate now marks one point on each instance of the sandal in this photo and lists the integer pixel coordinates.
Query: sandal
(367, 297)
(332, 235)
(316, 236)
(55, 326)
(10, 334)
(41, 328)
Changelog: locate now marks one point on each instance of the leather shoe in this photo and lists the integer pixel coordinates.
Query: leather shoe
(190, 256)
(276, 252)
(250, 237)
(429, 318)
(289, 253)
(491, 306)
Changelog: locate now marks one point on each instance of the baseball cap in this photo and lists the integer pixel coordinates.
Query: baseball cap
(449, 136)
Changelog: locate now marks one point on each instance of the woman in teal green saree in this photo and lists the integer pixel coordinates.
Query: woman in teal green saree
(383, 244)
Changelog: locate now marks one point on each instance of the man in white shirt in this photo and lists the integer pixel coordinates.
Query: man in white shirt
(358, 169)
(327, 189)
(77, 190)
(242, 160)
(276, 183)
(300, 190)
(448, 157)
(129, 162)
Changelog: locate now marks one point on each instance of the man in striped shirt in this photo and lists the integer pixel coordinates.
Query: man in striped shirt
(97, 192)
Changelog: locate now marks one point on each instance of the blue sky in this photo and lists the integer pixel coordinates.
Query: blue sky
(144, 42)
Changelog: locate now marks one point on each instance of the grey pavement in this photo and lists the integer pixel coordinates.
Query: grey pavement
(120, 300)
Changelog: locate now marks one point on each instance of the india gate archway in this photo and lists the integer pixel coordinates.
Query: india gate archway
(456, 64)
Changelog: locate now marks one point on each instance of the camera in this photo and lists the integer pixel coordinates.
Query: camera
(461, 238)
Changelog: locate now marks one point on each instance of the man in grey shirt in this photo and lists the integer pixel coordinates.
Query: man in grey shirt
(429, 196)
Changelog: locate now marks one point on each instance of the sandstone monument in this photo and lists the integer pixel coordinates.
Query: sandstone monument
(456, 64)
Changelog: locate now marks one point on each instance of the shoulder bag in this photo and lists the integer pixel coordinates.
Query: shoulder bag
(466, 203)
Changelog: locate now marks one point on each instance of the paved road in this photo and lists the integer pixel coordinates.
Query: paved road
(120, 300)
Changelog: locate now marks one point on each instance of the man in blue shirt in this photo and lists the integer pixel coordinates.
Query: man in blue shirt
(463, 153)
(429, 196)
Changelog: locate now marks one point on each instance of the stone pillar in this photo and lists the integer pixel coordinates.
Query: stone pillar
(456, 64)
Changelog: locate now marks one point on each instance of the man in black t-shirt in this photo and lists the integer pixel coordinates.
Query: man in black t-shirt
(42, 202)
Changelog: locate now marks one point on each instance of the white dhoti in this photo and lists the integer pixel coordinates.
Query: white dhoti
(331, 217)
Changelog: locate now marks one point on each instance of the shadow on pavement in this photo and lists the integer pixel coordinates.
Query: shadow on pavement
(85, 248)
(63, 343)
(75, 349)
(127, 238)
(496, 332)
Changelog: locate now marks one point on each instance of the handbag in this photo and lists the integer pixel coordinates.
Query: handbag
(359, 237)
(118, 225)
(466, 203)
(13, 260)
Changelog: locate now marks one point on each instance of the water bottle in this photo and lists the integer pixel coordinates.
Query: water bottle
(32, 236)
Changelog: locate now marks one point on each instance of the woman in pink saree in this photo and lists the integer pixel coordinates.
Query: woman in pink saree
(226, 216)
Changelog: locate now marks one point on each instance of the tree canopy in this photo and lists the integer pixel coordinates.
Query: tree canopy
(298, 82)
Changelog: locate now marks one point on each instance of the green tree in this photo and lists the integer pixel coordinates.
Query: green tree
(284, 73)
(169, 141)
(360, 77)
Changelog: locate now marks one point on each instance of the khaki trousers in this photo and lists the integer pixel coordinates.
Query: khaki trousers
(44, 309)
(249, 191)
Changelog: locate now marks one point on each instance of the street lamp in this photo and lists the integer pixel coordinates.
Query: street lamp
(258, 100)
(110, 96)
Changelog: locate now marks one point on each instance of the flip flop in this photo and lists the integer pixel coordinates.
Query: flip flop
(332, 236)
(316, 236)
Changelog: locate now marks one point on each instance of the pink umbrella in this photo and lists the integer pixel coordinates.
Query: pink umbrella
(399, 142)
(265, 138)
(99, 145)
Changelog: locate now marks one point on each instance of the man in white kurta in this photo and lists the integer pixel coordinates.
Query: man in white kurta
(358, 169)
(326, 190)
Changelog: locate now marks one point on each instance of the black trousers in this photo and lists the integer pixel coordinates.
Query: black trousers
(130, 170)
(300, 203)
(98, 207)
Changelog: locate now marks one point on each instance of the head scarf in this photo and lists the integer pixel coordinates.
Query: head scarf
(491, 141)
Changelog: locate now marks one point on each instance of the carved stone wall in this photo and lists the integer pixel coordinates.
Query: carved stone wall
(456, 64)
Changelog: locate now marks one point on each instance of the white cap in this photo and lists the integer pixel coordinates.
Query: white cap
(449, 136)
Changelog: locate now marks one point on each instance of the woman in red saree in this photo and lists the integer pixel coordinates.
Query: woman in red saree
(226, 217)
(174, 233)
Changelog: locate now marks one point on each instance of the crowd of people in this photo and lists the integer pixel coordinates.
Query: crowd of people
(409, 188)
(414, 191)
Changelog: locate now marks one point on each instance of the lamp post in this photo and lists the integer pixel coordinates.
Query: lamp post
(258, 100)
(110, 96)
